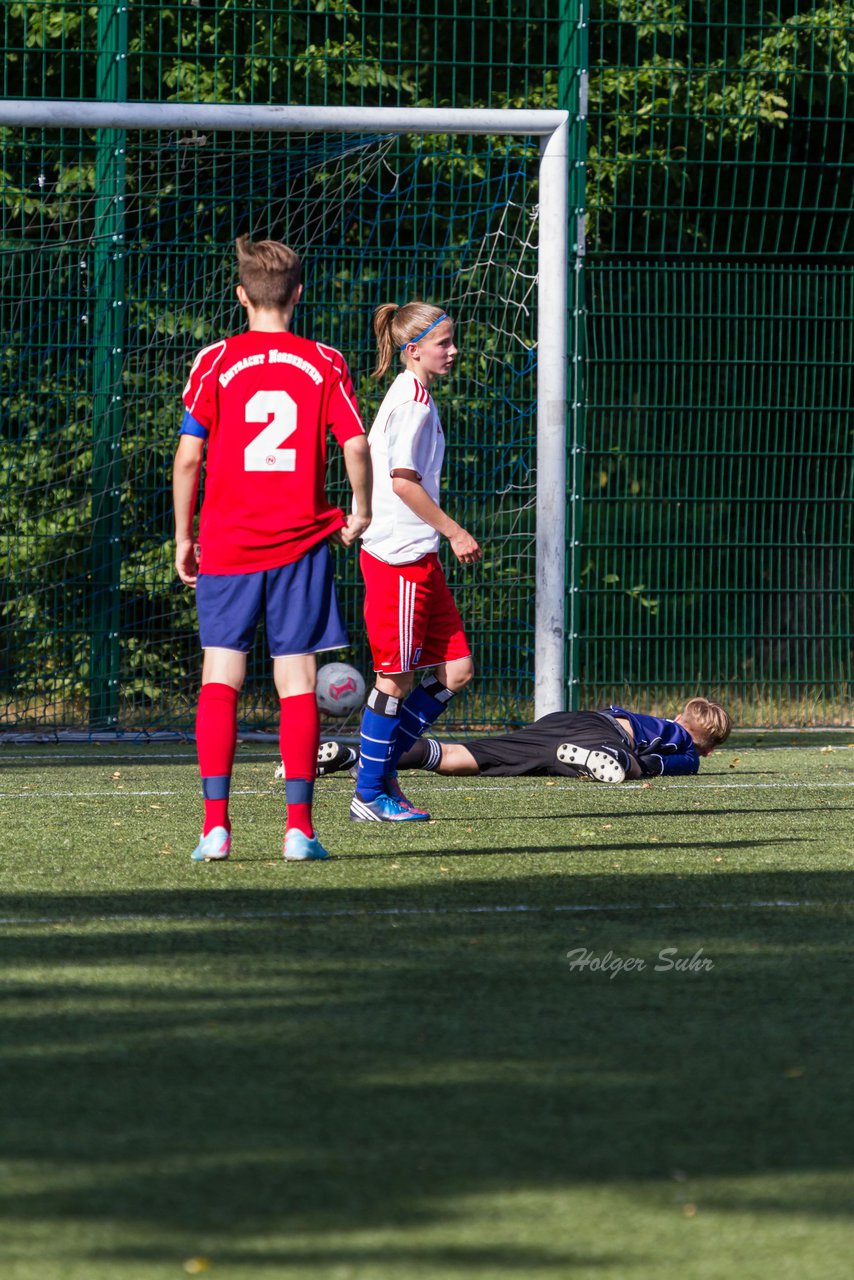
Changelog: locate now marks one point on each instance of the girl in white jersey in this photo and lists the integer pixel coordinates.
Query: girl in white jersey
(410, 615)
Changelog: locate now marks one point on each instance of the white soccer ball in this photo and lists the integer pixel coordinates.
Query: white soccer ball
(340, 689)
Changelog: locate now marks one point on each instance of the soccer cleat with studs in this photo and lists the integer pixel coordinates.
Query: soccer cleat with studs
(596, 764)
(214, 847)
(332, 757)
(384, 808)
(302, 848)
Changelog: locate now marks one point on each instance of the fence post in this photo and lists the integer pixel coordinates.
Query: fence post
(573, 97)
(108, 339)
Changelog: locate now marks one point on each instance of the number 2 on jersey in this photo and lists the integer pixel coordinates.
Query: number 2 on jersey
(264, 452)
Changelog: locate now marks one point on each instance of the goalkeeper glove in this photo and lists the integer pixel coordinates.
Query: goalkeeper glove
(651, 756)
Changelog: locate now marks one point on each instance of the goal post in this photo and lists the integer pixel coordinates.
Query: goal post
(551, 129)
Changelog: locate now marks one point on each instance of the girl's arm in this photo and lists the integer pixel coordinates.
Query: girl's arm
(409, 489)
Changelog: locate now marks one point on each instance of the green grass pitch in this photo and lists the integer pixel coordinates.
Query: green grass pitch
(386, 1066)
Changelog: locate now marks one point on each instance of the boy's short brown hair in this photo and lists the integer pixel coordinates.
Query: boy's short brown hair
(269, 271)
(708, 723)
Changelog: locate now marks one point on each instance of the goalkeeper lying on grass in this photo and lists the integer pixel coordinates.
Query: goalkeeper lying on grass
(609, 745)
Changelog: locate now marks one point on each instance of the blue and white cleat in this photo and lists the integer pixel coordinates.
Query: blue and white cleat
(596, 764)
(385, 808)
(394, 789)
(302, 848)
(214, 847)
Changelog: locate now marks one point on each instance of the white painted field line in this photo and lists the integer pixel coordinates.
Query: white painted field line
(579, 908)
(118, 794)
(129, 758)
(477, 784)
(85, 795)
(756, 786)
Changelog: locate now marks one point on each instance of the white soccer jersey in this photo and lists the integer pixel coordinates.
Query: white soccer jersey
(406, 434)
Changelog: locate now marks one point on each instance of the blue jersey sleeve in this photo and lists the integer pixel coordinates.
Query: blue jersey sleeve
(678, 754)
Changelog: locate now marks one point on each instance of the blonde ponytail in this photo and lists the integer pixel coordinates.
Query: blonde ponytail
(383, 317)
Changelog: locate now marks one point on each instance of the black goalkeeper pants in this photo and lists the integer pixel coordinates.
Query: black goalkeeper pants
(531, 750)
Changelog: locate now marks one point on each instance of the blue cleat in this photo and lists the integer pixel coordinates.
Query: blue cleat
(302, 848)
(385, 808)
(214, 847)
(394, 789)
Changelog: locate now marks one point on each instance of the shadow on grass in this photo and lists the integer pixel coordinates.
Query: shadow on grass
(255, 1070)
(614, 815)
(443, 1260)
(577, 847)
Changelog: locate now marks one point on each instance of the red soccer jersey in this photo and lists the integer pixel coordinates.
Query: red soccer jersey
(263, 402)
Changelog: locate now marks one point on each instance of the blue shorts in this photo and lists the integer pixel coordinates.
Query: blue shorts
(298, 601)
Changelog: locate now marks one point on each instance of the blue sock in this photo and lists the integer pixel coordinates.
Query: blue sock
(422, 707)
(380, 725)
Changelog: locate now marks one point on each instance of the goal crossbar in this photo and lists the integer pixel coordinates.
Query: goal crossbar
(552, 128)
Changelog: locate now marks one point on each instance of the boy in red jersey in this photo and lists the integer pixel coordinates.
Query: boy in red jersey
(259, 405)
(411, 618)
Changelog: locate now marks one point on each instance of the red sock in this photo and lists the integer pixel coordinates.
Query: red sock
(216, 741)
(299, 738)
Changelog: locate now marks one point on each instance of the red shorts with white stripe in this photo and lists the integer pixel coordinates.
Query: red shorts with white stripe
(410, 615)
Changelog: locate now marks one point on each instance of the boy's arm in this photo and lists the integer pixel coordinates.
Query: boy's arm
(660, 746)
(357, 462)
(409, 489)
(185, 485)
(659, 758)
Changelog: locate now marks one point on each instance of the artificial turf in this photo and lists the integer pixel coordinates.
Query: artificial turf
(387, 1066)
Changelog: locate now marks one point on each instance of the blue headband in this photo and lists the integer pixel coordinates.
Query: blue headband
(424, 332)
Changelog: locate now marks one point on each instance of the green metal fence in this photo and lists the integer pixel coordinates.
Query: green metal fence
(711, 505)
(718, 499)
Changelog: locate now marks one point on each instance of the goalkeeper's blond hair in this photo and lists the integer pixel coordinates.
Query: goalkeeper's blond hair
(707, 722)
